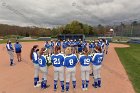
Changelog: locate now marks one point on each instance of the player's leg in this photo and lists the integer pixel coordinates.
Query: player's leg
(73, 78)
(83, 77)
(99, 76)
(61, 78)
(11, 57)
(20, 56)
(106, 49)
(55, 80)
(95, 76)
(68, 72)
(36, 75)
(44, 78)
(87, 78)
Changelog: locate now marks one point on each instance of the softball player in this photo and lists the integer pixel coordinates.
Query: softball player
(85, 61)
(58, 43)
(51, 47)
(70, 64)
(91, 47)
(47, 46)
(43, 67)
(34, 57)
(64, 46)
(97, 63)
(10, 51)
(58, 63)
(18, 50)
(107, 45)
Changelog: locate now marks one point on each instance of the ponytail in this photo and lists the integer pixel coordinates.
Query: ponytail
(32, 50)
(56, 49)
(85, 51)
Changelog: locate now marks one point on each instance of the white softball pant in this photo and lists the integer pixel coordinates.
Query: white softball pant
(97, 71)
(70, 74)
(85, 70)
(36, 71)
(59, 73)
(11, 54)
(44, 71)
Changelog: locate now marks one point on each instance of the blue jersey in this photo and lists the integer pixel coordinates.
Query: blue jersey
(51, 44)
(71, 43)
(107, 43)
(75, 43)
(91, 45)
(64, 45)
(42, 61)
(85, 60)
(102, 44)
(58, 44)
(9, 47)
(84, 44)
(47, 45)
(68, 43)
(70, 61)
(57, 60)
(97, 59)
(17, 47)
(35, 57)
(99, 44)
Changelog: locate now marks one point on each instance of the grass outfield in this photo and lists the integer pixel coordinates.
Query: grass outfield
(13, 41)
(130, 58)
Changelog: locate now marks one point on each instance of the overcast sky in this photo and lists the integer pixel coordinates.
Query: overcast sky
(50, 13)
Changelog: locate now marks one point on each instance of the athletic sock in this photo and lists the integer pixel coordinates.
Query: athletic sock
(67, 86)
(62, 85)
(35, 81)
(83, 83)
(74, 84)
(87, 83)
(99, 82)
(55, 84)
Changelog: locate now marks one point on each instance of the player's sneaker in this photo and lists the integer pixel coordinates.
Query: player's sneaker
(62, 90)
(67, 91)
(95, 86)
(36, 86)
(83, 89)
(86, 89)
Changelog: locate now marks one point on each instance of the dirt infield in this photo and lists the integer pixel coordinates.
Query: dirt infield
(19, 78)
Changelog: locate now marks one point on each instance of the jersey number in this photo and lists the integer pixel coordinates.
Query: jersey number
(56, 61)
(86, 61)
(100, 59)
(71, 61)
(40, 61)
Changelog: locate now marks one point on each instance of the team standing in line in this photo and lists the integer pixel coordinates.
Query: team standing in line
(64, 57)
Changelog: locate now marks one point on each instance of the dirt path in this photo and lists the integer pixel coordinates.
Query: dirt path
(19, 78)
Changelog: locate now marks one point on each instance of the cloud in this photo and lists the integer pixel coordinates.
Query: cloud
(50, 13)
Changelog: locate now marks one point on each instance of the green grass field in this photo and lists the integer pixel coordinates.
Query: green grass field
(130, 58)
(14, 40)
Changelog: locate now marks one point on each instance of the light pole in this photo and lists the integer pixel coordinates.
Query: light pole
(112, 30)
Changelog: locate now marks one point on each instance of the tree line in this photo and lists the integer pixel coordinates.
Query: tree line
(75, 27)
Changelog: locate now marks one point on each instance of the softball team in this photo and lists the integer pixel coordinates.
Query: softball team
(64, 63)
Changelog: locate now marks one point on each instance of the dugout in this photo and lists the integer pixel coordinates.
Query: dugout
(71, 36)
